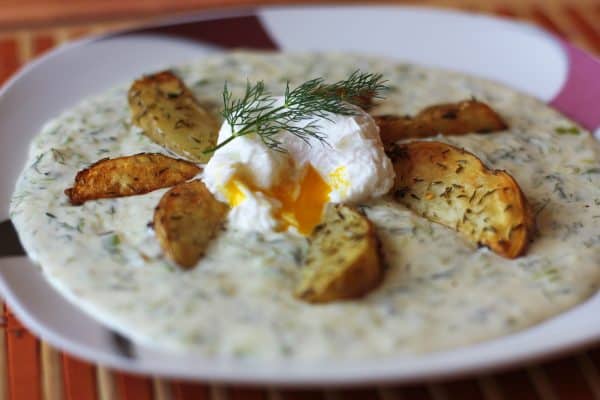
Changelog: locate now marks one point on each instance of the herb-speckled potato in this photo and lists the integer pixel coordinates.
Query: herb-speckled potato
(169, 114)
(186, 219)
(453, 187)
(127, 176)
(470, 116)
(343, 260)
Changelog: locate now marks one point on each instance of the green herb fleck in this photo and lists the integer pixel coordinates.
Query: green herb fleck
(111, 243)
(564, 130)
(592, 171)
(58, 156)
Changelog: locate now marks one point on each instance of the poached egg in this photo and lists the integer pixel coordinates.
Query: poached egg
(278, 191)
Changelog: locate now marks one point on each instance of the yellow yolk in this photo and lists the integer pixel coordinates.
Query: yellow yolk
(302, 201)
(233, 192)
(338, 180)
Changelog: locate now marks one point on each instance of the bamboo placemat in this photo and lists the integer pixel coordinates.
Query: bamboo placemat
(31, 369)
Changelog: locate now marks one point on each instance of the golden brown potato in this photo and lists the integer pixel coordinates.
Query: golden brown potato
(343, 259)
(451, 186)
(186, 219)
(127, 176)
(366, 101)
(470, 116)
(169, 114)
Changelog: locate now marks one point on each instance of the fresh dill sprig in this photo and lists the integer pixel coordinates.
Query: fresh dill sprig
(359, 88)
(258, 111)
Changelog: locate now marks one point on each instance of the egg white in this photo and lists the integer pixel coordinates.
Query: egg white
(351, 162)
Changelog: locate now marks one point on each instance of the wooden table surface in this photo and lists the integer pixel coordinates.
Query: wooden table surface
(31, 369)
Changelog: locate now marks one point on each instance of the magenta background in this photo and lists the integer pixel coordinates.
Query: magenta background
(579, 97)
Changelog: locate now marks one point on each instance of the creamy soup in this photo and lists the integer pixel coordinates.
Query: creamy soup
(439, 291)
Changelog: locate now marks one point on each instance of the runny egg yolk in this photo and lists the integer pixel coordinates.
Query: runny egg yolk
(302, 201)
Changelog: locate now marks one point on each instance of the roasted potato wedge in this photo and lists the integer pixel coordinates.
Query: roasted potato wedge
(127, 176)
(343, 260)
(371, 85)
(453, 187)
(186, 219)
(366, 100)
(470, 116)
(169, 114)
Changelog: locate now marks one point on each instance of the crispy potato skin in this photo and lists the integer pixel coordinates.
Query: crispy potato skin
(366, 101)
(186, 219)
(343, 260)
(470, 116)
(453, 187)
(127, 176)
(170, 115)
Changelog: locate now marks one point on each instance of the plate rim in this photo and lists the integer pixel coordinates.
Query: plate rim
(12, 298)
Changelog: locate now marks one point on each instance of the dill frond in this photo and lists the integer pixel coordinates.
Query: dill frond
(256, 112)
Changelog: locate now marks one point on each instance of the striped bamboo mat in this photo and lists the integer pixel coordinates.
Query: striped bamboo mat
(31, 369)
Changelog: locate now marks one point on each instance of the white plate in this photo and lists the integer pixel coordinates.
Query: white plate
(519, 55)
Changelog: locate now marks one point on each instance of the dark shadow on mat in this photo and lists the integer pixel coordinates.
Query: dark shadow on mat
(9, 241)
